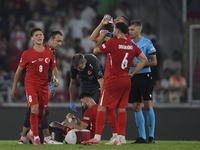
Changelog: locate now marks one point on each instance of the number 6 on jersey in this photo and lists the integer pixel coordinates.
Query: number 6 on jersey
(124, 62)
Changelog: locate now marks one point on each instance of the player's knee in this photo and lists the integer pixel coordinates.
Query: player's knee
(137, 107)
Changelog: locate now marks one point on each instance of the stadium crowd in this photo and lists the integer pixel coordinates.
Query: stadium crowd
(76, 20)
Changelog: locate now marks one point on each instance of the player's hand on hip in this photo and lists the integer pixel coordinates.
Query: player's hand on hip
(56, 84)
(73, 107)
(14, 94)
(130, 75)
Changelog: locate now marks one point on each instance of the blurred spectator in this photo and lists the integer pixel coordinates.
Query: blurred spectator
(2, 24)
(178, 85)
(11, 23)
(158, 93)
(49, 7)
(19, 36)
(30, 7)
(86, 43)
(156, 69)
(65, 54)
(77, 46)
(147, 32)
(57, 24)
(165, 84)
(36, 21)
(76, 25)
(123, 10)
(88, 14)
(103, 7)
(13, 57)
(3, 49)
(174, 62)
(5, 83)
(62, 77)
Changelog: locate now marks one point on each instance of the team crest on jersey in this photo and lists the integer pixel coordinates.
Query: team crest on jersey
(89, 72)
(47, 60)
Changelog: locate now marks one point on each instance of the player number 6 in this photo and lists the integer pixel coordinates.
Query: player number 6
(124, 62)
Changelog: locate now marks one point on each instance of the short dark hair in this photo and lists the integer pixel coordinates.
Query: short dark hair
(137, 23)
(127, 21)
(54, 33)
(86, 94)
(122, 27)
(34, 29)
(77, 59)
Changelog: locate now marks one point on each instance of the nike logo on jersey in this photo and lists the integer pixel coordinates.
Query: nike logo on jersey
(34, 61)
(90, 65)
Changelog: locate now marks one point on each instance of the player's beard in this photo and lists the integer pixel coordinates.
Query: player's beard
(86, 106)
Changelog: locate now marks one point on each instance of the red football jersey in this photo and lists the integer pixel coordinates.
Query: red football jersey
(120, 54)
(37, 65)
(89, 117)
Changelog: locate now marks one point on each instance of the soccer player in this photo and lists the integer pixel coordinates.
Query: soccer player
(37, 61)
(53, 44)
(111, 115)
(89, 69)
(89, 117)
(117, 83)
(142, 84)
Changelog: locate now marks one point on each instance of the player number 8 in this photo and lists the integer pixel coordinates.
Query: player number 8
(124, 62)
(40, 68)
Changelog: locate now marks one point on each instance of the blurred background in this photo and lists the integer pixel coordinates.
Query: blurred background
(172, 26)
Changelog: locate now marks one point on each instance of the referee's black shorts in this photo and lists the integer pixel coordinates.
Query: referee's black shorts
(141, 88)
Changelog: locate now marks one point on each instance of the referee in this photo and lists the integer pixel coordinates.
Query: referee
(142, 84)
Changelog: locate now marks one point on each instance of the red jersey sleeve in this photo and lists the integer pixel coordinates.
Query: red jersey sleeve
(107, 47)
(87, 116)
(52, 61)
(23, 60)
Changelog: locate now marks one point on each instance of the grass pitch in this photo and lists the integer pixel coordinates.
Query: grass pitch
(159, 145)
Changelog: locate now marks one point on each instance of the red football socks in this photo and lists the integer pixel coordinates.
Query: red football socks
(100, 121)
(112, 119)
(122, 123)
(34, 124)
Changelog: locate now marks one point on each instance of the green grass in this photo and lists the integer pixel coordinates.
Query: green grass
(159, 145)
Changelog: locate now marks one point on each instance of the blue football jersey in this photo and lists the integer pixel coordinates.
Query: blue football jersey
(146, 46)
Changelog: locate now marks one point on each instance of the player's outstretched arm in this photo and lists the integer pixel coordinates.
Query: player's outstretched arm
(16, 79)
(72, 91)
(95, 34)
(141, 64)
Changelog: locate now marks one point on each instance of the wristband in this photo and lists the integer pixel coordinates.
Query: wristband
(56, 79)
(70, 120)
